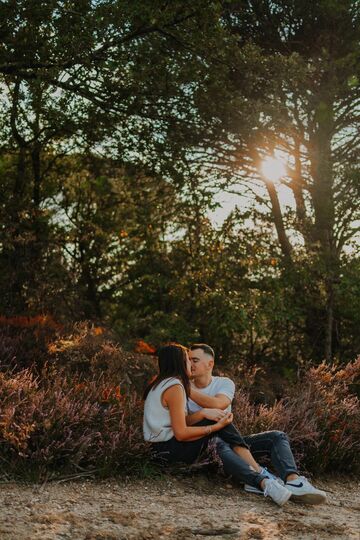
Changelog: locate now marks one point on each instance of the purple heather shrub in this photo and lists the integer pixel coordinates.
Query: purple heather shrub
(69, 404)
(321, 416)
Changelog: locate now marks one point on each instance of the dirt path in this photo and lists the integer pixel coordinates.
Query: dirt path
(171, 508)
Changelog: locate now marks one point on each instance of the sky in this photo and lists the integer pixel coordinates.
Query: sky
(273, 169)
(227, 201)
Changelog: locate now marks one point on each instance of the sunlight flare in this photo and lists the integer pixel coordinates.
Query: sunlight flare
(273, 168)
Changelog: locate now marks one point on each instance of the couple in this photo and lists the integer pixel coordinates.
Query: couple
(181, 418)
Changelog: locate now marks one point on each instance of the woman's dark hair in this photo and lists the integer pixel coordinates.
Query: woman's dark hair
(172, 363)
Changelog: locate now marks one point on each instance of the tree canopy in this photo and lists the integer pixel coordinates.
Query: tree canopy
(122, 121)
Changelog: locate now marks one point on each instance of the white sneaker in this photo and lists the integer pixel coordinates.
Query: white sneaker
(272, 476)
(252, 489)
(276, 491)
(302, 491)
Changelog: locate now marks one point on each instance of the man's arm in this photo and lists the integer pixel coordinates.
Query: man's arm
(209, 414)
(220, 401)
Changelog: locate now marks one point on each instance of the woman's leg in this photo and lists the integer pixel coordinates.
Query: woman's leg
(247, 456)
(174, 451)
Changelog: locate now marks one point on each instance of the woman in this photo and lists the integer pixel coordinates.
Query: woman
(165, 425)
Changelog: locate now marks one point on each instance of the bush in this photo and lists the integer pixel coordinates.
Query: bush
(24, 341)
(56, 424)
(91, 352)
(321, 416)
(83, 350)
(77, 410)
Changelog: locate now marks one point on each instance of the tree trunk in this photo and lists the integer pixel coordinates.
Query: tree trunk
(323, 201)
(278, 221)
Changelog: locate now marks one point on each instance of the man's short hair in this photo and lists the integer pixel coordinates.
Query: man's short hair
(206, 348)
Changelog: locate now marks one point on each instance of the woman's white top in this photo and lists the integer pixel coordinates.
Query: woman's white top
(157, 422)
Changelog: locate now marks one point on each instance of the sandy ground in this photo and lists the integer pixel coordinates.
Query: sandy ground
(171, 508)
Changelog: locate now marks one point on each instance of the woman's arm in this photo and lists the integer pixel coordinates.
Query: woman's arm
(194, 418)
(174, 399)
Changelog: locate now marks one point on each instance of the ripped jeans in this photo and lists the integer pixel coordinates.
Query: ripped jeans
(269, 444)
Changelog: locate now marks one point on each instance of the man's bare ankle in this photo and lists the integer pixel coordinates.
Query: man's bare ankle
(292, 476)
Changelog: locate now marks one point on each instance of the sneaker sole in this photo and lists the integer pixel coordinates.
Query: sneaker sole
(251, 489)
(255, 491)
(309, 498)
(284, 500)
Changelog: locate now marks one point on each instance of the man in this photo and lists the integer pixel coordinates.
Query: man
(211, 398)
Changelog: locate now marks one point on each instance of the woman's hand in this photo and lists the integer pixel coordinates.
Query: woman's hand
(225, 420)
(213, 414)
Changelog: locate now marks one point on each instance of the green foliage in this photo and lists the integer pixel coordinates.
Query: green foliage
(122, 120)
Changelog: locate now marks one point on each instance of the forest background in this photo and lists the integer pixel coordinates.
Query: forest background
(123, 123)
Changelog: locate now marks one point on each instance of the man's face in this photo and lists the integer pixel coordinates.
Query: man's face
(201, 363)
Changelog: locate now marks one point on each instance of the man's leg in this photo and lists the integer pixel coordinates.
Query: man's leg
(275, 445)
(229, 433)
(236, 466)
(231, 436)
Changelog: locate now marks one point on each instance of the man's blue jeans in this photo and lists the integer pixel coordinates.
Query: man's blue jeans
(269, 444)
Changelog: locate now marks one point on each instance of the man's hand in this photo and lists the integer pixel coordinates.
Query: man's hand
(226, 420)
(213, 414)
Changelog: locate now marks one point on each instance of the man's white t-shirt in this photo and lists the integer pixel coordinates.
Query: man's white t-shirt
(218, 385)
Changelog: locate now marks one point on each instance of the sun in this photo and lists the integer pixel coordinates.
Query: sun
(273, 168)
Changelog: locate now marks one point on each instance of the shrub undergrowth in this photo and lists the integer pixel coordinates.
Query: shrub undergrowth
(321, 416)
(80, 412)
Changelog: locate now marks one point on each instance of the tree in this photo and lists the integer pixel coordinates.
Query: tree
(105, 77)
(305, 93)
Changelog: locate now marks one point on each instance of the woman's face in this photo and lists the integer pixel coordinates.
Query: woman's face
(188, 365)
